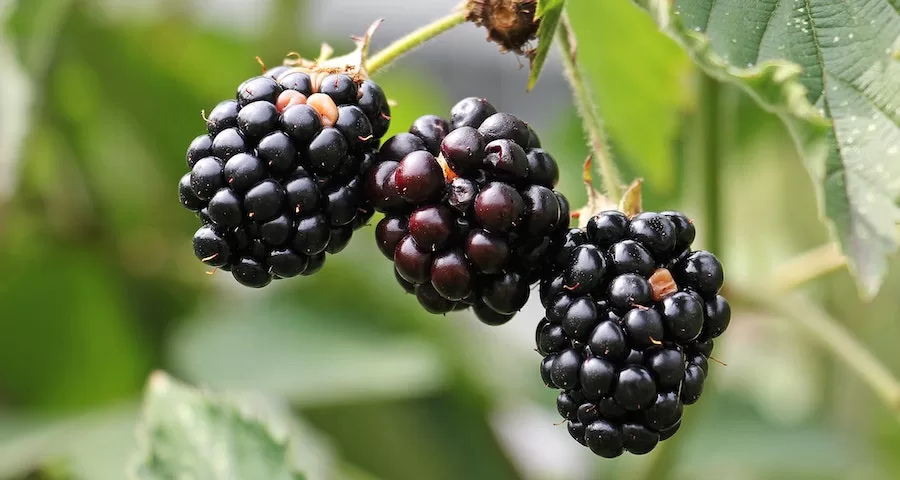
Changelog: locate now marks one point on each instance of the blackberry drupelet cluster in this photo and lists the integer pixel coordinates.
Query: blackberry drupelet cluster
(631, 314)
(470, 210)
(278, 180)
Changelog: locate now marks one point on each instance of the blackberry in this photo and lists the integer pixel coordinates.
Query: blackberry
(630, 317)
(278, 180)
(470, 211)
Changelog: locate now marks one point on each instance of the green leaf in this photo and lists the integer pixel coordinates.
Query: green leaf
(186, 433)
(643, 124)
(543, 6)
(550, 12)
(311, 356)
(825, 68)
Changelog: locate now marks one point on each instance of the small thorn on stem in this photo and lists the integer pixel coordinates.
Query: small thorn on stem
(572, 287)
(562, 422)
(718, 361)
(213, 271)
(655, 341)
(203, 115)
(385, 116)
(366, 138)
(639, 307)
(261, 64)
(211, 257)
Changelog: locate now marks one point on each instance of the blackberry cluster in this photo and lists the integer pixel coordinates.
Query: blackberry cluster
(278, 180)
(470, 210)
(631, 314)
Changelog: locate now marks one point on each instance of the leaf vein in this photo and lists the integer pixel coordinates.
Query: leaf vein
(851, 212)
(712, 7)
(765, 30)
(870, 100)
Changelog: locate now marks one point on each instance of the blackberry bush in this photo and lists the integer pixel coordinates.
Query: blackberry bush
(470, 210)
(278, 178)
(631, 315)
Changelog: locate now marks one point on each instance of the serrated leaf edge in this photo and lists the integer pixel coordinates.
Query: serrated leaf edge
(807, 125)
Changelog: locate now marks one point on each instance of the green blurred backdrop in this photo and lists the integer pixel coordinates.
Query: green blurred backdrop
(99, 286)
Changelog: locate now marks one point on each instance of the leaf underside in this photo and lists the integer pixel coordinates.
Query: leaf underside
(550, 13)
(826, 68)
(186, 433)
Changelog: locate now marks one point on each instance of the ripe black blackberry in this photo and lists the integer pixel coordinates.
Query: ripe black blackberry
(278, 179)
(470, 210)
(631, 314)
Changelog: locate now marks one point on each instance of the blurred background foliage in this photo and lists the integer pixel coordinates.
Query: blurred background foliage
(99, 286)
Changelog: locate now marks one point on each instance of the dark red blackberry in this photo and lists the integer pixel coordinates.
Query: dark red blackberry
(278, 180)
(630, 317)
(470, 210)
(431, 129)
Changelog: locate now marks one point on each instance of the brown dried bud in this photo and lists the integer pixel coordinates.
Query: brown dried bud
(662, 284)
(510, 23)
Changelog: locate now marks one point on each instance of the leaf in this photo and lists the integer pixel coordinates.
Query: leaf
(550, 13)
(543, 6)
(78, 319)
(825, 68)
(186, 433)
(640, 100)
(32, 33)
(309, 355)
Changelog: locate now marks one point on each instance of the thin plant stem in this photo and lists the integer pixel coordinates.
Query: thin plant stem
(593, 124)
(828, 333)
(808, 266)
(412, 40)
(711, 132)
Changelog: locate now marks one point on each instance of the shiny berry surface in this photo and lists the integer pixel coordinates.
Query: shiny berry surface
(653, 307)
(477, 195)
(279, 179)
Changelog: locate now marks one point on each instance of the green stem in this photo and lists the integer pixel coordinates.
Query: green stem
(593, 123)
(710, 120)
(808, 266)
(412, 40)
(830, 334)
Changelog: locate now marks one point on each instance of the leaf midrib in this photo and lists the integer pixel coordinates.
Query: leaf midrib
(826, 105)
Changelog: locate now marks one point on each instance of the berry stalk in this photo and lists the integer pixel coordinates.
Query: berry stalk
(593, 123)
(412, 40)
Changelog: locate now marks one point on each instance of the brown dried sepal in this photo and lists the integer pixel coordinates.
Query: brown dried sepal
(662, 284)
(510, 23)
(449, 174)
(352, 64)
